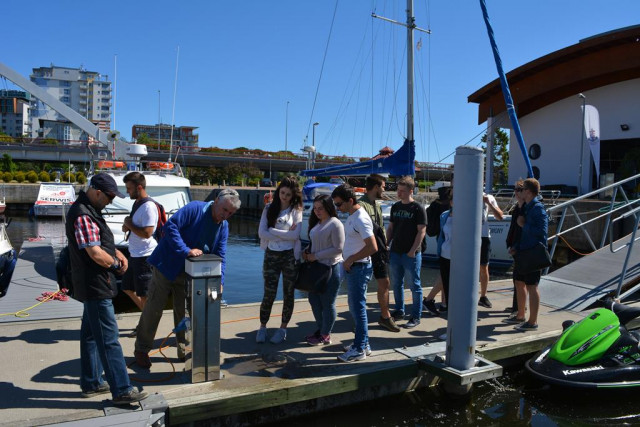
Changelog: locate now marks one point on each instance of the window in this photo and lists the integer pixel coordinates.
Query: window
(534, 151)
(64, 99)
(67, 91)
(536, 172)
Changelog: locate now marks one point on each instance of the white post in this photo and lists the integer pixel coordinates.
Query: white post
(488, 172)
(465, 264)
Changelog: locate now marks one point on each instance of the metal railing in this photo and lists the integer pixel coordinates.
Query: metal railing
(610, 214)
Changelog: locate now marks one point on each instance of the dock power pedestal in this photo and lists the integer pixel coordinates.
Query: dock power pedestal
(204, 296)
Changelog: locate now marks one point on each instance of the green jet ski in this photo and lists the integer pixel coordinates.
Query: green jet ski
(597, 352)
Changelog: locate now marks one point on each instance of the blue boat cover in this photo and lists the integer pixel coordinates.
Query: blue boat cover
(400, 163)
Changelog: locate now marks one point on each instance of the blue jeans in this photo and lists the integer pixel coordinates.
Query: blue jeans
(400, 265)
(100, 349)
(357, 281)
(324, 305)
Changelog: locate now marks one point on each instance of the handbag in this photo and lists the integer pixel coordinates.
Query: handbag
(532, 259)
(313, 277)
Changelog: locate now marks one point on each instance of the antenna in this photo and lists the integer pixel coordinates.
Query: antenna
(173, 112)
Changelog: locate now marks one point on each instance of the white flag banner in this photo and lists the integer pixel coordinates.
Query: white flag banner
(592, 130)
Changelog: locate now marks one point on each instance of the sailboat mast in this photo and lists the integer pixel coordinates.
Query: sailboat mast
(411, 24)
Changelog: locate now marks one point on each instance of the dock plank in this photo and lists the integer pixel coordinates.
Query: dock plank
(579, 284)
(34, 274)
(261, 381)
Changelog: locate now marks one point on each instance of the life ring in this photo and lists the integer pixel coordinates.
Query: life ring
(160, 165)
(108, 164)
(360, 189)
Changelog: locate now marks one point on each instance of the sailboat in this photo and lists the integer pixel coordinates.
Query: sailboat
(400, 163)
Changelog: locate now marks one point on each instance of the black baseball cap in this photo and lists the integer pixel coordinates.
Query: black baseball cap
(106, 184)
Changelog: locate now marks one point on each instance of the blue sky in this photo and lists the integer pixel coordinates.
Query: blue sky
(242, 61)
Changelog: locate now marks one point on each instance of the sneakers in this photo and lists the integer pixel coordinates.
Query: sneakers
(367, 348)
(279, 336)
(388, 324)
(261, 335)
(352, 355)
(443, 308)
(132, 396)
(443, 337)
(526, 326)
(316, 334)
(513, 320)
(397, 315)
(430, 305)
(319, 340)
(412, 323)
(142, 359)
(101, 389)
(484, 302)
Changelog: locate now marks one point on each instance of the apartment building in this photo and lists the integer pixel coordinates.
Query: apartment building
(14, 113)
(87, 92)
(183, 136)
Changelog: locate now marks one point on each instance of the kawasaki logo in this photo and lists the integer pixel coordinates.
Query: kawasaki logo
(579, 371)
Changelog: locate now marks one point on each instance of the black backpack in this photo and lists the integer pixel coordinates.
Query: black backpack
(435, 209)
(381, 241)
(162, 216)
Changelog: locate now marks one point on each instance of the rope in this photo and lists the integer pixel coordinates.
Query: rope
(60, 295)
(570, 247)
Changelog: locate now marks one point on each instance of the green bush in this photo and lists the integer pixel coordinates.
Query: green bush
(67, 177)
(253, 182)
(80, 178)
(32, 177)
(19, 176)
(7, 177)
(44, 176)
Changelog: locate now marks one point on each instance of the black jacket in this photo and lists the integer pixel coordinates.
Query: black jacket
(90, 280)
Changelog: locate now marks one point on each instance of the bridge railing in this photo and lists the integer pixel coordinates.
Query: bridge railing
(620, 207)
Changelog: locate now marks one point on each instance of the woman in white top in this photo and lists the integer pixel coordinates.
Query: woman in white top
(326, 233)
(279, 233)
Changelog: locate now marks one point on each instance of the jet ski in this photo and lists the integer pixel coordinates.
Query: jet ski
(597, 352)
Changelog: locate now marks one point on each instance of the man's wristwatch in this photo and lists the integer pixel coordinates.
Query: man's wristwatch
(116, 264)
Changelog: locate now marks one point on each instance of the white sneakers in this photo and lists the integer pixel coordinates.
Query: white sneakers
(279, 336)
(261, 336)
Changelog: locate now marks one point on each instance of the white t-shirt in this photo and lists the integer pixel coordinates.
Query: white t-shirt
(356, 229)
(283, 222)
(485, 214)
(145, 216)
(447, 227)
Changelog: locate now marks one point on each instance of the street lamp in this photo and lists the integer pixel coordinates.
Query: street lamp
(313, 143)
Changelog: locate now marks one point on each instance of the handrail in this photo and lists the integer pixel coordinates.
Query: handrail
(614, 207)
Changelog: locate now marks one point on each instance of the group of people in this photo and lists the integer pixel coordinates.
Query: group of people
(363, 247)
(154, 271)
(357, 250)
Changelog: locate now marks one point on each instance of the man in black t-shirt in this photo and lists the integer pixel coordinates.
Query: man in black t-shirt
(406, 231)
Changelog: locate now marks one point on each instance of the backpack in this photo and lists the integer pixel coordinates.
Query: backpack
(162, 216)
(434, 210)
(63, 271)
(381, 241)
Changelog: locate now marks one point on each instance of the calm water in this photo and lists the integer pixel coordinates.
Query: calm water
(511, 400)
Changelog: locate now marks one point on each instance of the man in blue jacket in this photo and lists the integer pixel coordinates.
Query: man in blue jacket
(197, 228)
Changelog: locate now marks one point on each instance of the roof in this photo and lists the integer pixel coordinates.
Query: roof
(594, 62)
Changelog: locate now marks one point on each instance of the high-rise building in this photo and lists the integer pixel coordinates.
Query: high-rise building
(87, 92)
(183, 136)
(14, 113)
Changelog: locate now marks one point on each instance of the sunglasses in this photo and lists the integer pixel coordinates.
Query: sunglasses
(337, 204)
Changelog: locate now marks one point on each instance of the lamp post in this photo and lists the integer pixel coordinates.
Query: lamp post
(313, 143)
(286, 127)
(159, 120)
(582, 134)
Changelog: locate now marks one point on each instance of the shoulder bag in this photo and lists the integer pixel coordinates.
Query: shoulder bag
(532, 259)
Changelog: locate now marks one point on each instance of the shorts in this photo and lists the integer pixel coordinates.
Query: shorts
(138, 277)
(484, 251)
(529, 279)
(380, 265)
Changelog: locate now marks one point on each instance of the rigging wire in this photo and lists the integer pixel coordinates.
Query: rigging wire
(324, 58)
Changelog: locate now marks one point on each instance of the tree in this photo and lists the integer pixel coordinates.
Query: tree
(500, 155)
(7, 163)
(143, 138)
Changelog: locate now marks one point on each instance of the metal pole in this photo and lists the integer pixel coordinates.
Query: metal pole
(582, 135)
(159, 120)
(313, 143)
(286, 126)
(465, 265)
(488, 173)
(411, 24)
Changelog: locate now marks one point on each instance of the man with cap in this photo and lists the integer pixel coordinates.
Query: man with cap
(195, 229)
(94, 258)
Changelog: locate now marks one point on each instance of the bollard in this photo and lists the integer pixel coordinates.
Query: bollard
(465, 259)
(204, 296)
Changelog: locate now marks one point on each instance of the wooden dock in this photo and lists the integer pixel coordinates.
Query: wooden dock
(262, 382)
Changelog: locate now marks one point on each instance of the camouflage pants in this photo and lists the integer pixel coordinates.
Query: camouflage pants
(276, 262)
